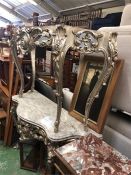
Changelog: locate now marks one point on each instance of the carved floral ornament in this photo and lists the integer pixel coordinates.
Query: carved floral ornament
(85, 41)
(89, 42)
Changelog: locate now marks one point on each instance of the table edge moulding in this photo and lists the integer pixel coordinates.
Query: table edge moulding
(40, 124)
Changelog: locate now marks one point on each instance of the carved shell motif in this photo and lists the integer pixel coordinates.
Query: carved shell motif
(44, 38)
(26, 38)
(86, 41)
(59, 39)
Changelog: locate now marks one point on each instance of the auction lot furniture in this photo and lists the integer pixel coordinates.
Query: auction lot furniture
(37, 117)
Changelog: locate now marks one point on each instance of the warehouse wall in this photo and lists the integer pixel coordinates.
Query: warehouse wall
(112, 10)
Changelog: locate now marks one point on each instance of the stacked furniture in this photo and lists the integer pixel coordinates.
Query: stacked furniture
(6, 88)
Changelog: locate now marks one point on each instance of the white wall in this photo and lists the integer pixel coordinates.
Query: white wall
(127, 1)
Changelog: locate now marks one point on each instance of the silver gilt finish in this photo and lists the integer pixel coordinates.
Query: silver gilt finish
(61, 38)
(26, 41)
(40, 124)
(89, 42)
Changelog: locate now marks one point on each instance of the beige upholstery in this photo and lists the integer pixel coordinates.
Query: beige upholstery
(126, 16)
(118, 125)
(67, 98)
(122, 96)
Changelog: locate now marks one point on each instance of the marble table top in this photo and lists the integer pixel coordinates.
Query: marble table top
(36, 109)
(89, 155)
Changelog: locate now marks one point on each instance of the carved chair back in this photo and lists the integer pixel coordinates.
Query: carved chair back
(61, 38)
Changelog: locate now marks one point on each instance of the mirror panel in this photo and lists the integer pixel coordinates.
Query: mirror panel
(89, 76)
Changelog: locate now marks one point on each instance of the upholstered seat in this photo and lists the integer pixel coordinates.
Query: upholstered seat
(122, 97)
(118, 127)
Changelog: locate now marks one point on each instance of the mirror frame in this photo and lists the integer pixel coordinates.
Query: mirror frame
(96, 126)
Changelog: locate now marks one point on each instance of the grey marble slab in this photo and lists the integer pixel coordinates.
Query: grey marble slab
(40, 111)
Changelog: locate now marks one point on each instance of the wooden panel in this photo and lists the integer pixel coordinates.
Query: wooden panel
(3, 114)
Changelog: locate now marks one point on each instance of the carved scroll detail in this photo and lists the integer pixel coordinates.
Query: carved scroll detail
(85, 41)
(58, 45)
(89, 42)
(26, 41)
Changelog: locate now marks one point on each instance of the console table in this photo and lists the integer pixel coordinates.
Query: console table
(40, 124)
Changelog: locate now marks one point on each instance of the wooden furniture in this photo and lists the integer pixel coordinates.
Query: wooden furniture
(31, 154)
(4, 49)
(9, 85)
(70, 69)
(49, 80)
(89, 155)
(44, 65)
(6, 83)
